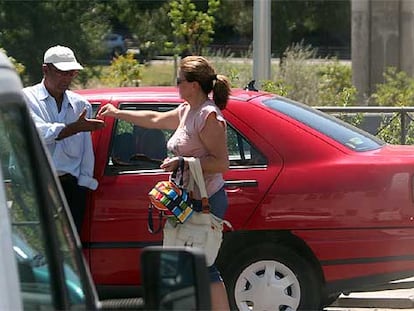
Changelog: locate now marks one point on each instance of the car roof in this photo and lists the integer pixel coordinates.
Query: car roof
(156, 92)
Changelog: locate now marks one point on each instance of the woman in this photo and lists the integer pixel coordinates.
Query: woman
(200, 131)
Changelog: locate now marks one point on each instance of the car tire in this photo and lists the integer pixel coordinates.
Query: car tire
(330, 299)
(271, 277)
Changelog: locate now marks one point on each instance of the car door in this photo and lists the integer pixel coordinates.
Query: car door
(254, 166)
(118, 216)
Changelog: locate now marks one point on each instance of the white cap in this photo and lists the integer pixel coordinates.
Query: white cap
(62, 58)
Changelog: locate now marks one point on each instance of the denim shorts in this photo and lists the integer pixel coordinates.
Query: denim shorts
(218, 206)
(218, 203)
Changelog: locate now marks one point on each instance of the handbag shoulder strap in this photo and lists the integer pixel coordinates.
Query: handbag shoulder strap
(197, 174)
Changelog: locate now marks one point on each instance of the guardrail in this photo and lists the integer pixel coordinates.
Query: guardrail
(383, 114)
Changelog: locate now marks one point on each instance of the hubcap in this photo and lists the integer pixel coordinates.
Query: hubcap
(267, 285)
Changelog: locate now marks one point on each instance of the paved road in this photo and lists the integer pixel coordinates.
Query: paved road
(241, 60)
(398, 295)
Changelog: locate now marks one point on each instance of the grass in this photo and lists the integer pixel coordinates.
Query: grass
(158, 73)
(162, 73)
(238, 70)
(155, 73)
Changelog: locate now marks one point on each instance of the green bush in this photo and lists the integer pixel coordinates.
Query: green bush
(277, 87)
(123, 71)
(397, 90)
(335, 85)
(239, 73)
(87, 76)
(298, 75)
(18, 66)
(316, 82)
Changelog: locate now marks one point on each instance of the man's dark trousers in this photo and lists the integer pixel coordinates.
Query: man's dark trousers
(76, 198)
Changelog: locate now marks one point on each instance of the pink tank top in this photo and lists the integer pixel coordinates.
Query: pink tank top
(186, 141)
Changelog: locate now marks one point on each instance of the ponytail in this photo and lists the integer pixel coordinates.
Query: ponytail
(221, 91)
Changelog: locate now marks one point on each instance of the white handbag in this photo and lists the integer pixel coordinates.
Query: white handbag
(202, 230)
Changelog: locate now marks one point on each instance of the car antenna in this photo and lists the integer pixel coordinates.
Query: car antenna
(250, 86)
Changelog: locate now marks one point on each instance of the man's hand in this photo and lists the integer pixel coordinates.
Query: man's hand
(81, 125)
(87, 125)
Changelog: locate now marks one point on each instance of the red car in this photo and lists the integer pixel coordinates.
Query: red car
(317, 206)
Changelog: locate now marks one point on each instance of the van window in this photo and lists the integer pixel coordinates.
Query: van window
(39, 265)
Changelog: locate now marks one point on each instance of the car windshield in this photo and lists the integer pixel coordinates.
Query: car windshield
(342, 132)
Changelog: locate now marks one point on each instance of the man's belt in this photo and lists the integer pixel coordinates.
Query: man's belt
(67, 177)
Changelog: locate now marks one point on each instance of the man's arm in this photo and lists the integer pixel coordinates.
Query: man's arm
(86, 178)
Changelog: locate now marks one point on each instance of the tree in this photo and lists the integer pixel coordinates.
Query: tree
(147, 22)
(19, 67)
(124, 71)
(319, 23)
(192, 29)
(28, 28)
(234, 22)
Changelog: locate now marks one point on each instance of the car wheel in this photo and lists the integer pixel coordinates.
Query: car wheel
(271, 277)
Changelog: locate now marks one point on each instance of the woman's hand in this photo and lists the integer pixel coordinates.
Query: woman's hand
(107, 111)
(170, 164)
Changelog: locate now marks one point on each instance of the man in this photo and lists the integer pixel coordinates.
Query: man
(63, 119)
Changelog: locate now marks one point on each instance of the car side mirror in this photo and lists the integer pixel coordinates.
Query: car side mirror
(175, 279)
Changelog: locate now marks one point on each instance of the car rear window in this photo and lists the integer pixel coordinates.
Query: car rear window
(344, 133)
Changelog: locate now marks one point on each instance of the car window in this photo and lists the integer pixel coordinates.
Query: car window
(137, 148)
(344, 133)
(241, 151)
(35, 260)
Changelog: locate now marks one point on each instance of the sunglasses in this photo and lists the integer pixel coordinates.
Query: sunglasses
(69, 73)
(179, 81)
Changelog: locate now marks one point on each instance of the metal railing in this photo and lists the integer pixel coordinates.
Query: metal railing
(402, 113)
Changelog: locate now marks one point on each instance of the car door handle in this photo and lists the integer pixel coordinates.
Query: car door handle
(240, 183)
